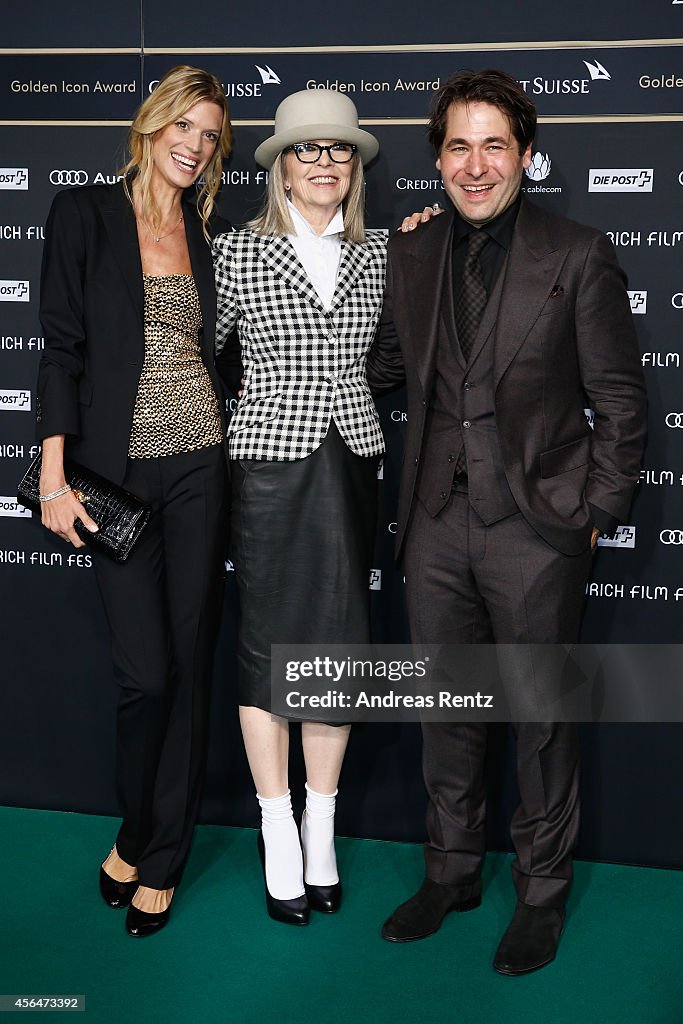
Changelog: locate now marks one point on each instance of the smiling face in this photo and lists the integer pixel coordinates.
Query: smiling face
(480, 162)
(182, 150)
(317, 189)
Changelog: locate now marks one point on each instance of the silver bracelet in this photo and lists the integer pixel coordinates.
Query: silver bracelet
(55, 494)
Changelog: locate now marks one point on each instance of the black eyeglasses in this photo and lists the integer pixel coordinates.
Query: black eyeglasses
(310, 152)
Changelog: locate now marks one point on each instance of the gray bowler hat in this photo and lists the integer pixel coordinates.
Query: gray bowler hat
(316, 114)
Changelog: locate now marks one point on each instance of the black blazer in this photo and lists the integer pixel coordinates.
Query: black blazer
(563, 339)
(91, 309)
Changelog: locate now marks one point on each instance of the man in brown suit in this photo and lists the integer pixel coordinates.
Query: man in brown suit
(505, 321)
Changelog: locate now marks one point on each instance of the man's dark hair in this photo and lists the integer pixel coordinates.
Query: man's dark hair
(490, 86)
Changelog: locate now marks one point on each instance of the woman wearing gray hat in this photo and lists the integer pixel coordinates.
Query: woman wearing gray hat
(303, 284)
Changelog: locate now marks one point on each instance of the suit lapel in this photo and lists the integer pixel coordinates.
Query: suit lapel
(280, 255)
(447, 308)
(119, 223)
(533, 266)
(353, 260)
(429, 260)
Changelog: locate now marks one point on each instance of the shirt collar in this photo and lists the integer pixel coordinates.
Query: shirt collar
(303, 228)
(499, 229)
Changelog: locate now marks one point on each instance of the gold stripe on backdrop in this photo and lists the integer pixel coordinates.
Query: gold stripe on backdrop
(46, 51)
(555, 44)
(386, 122)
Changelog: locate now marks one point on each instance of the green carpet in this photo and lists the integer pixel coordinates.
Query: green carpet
(221, 959)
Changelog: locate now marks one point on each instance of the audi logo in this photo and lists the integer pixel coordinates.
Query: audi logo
(671, 536)
(674, 419)
(68, 177)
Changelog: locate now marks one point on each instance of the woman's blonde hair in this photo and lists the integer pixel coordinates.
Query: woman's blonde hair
(274, 217)
(177, 91)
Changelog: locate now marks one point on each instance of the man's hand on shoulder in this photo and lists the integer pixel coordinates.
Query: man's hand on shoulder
(411, 222)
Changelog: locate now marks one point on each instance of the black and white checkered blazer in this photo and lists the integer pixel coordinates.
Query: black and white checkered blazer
(303, 364)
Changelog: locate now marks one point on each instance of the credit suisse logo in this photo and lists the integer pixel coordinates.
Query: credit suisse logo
(620, 179)
(15, 178)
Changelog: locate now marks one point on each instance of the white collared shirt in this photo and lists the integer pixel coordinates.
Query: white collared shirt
(318, 254)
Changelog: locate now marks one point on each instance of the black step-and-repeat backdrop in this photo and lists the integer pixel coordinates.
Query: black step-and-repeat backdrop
(608, 153)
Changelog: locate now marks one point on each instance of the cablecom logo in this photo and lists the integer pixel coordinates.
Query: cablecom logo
(539, 168)
(537, 171)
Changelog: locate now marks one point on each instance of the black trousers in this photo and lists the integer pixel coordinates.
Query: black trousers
(469, 583)
(163, 607)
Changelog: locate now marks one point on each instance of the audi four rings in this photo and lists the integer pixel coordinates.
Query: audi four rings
(68, 177)
(674, 419)
(671, 536)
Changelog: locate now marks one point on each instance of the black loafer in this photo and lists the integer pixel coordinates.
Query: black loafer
(324, 898)
(530, 941)
(140, 924)
(296, 911)
(423, 913)
(116, 894)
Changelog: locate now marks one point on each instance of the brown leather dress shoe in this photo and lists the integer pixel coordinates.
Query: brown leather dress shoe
(424, 912)
(530, 941)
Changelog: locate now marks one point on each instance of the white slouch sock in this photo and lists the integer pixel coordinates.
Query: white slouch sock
(284, 863)
(317, 836)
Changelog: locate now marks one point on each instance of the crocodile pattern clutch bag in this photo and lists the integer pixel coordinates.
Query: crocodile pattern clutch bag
(121, 516)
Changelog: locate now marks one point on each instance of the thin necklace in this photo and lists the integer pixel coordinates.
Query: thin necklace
(157, 238)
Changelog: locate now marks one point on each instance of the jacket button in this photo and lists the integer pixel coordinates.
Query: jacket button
(424, 401)
(467, 385)
(444, 494)
(451, 457)
(466, 424)
(417, 459)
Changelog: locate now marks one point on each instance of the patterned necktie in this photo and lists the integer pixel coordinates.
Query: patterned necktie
(470, 300)
(471, 297)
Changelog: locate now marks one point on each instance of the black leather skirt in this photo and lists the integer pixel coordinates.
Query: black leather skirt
(303, 535)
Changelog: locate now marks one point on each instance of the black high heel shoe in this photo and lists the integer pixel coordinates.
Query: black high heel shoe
(116, 894)
(326, 899)
(140, 924)
(296, 911)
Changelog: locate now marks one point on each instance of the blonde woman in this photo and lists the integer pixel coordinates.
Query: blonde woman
(127, 387)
